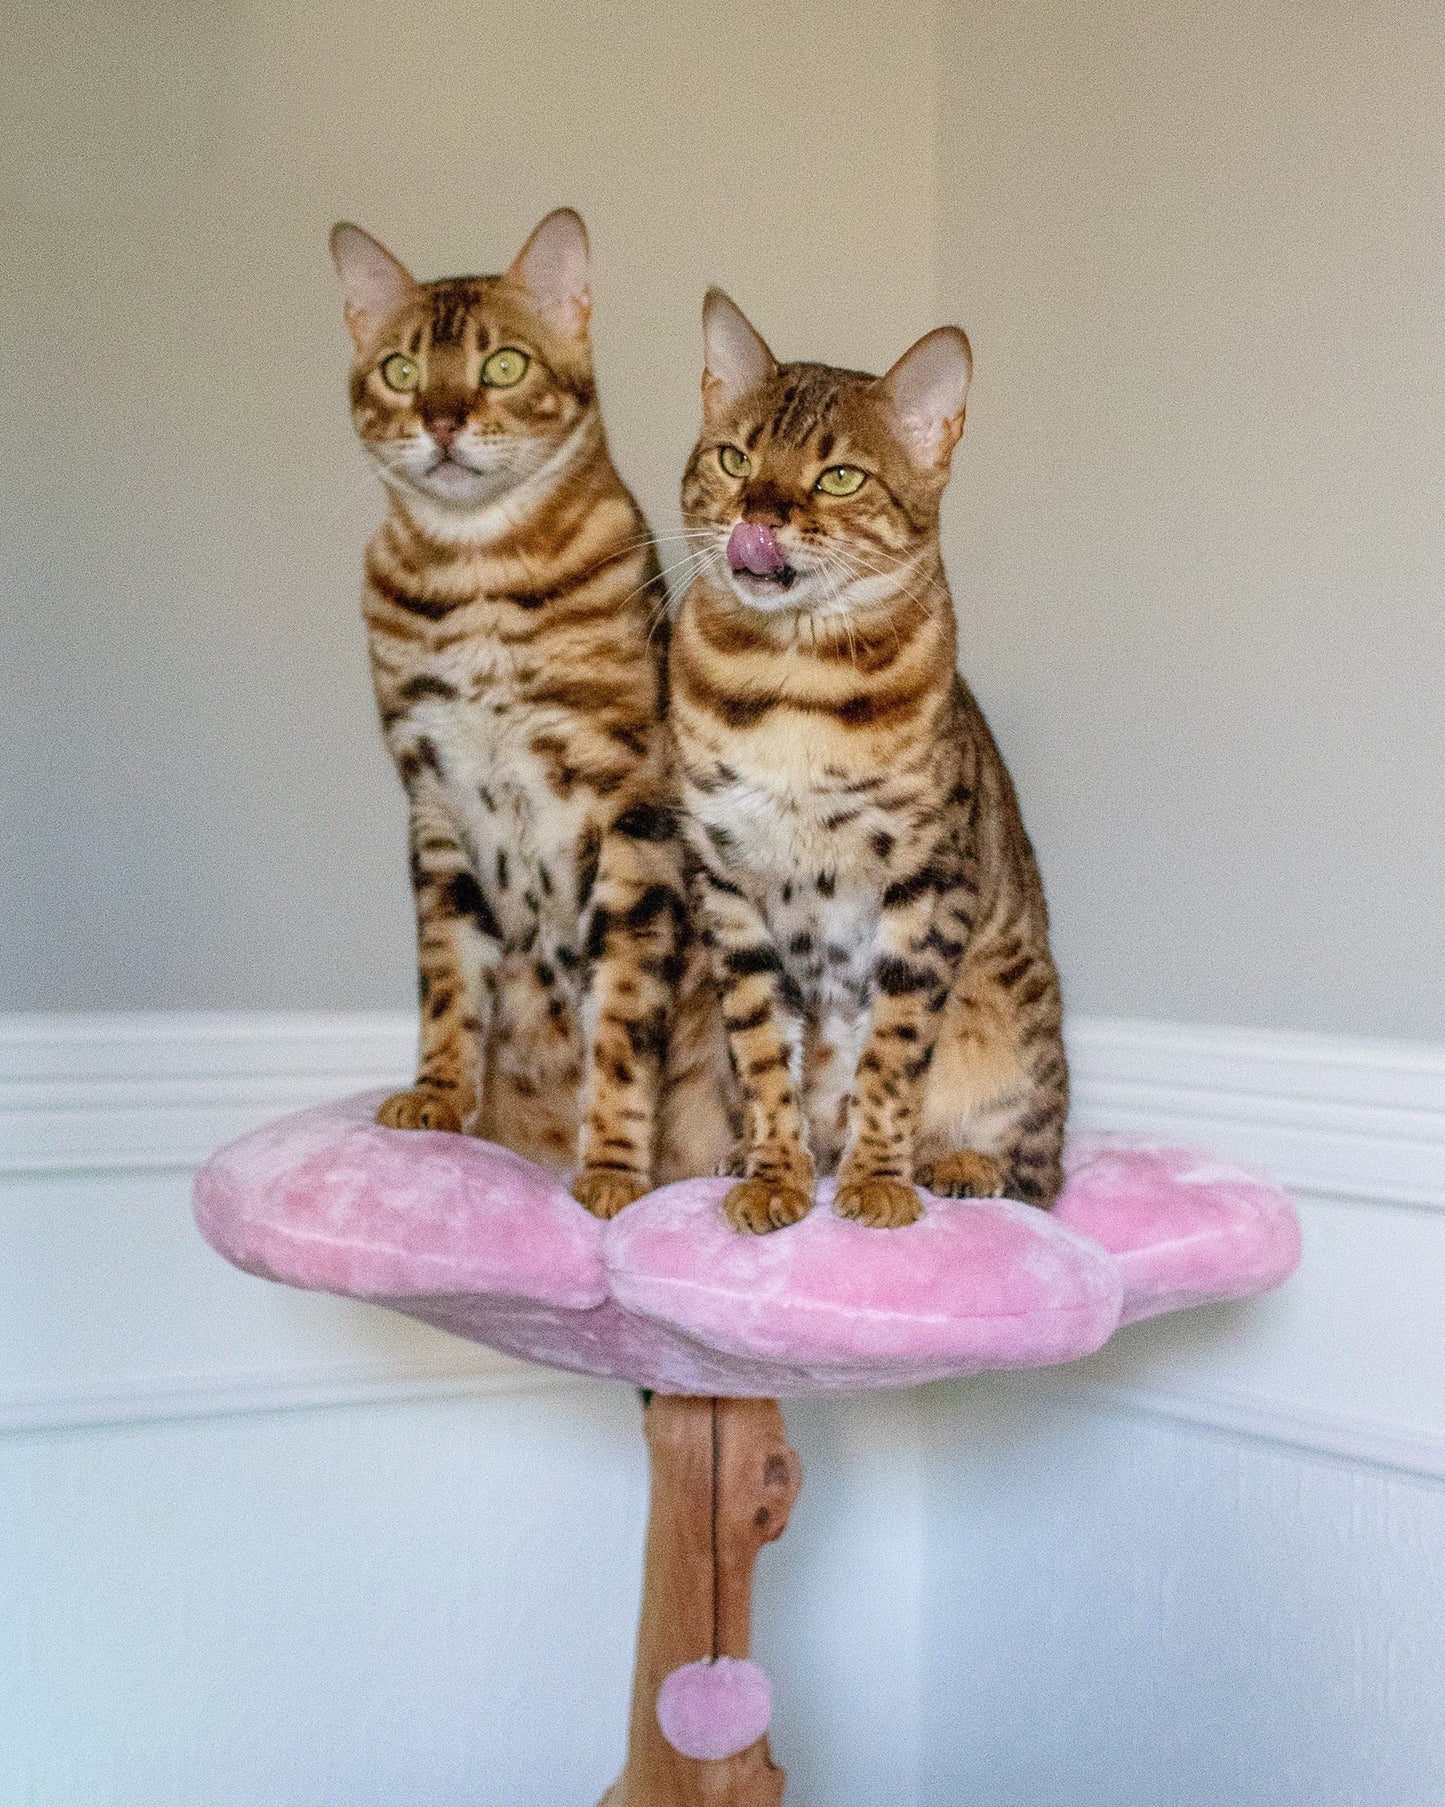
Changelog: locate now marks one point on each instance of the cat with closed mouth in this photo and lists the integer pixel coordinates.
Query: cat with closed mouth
(514, 608)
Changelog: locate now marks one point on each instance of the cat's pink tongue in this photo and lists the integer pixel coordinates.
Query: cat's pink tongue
(752, 547)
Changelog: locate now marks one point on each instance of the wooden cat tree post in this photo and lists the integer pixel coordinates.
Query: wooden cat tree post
(723, 1484)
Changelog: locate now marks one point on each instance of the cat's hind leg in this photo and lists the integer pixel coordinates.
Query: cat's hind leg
(699, 1123)
(996, 1101)
(961, 1173)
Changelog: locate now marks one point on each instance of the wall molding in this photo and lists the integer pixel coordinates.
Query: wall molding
(97, 1095)
(158, 1399)
(113, 1092)
(160, 1090)
(1330, 1114)
(1375, 1442)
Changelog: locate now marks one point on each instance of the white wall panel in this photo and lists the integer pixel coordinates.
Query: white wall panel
(428, 1601)
(264, 1546)
(1124, 1611)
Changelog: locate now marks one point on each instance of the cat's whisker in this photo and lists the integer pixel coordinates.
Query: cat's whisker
(683, 571)
(686, 563)
(841, 614)
(660, 614)
(659, 539)
(647, 541)
(863, 568)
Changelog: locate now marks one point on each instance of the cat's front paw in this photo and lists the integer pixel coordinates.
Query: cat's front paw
(420, 1108)
(881, 1204)
(605, 1191)
(962, 1174)
(763, 1205)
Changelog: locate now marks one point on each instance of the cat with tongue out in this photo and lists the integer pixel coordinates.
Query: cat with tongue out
(753, 551)
(863, 878)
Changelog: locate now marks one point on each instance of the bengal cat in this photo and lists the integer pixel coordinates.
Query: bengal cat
(511, 598)
(867, 888)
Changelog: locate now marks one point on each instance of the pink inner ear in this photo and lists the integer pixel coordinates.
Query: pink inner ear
(552, 267)
(736, 358)
(927, 389)
(375, 285)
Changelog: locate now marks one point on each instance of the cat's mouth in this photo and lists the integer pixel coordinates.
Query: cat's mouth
(455, 479)
(758, 561)
(786, 587)
(763, 583)
(449, 462)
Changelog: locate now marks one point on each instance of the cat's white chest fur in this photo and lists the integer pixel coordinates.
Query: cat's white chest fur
(806, 858)
(519, 834)
(778, 831)
(805, 836)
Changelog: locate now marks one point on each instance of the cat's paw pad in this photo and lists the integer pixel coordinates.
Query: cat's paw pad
(420, 1108)
(763, 1205)
(605, 1192)
(963, 1174)
(882, 1204)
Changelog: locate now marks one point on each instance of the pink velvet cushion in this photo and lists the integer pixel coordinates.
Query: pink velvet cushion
(978, 1283)
(329, 1200)
(471, 1238)
(1183, 1228)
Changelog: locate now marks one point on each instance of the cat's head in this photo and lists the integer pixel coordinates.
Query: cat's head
(820, 486)
(463, 388)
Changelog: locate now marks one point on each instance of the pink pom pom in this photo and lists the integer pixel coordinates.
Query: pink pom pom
(714, 1709)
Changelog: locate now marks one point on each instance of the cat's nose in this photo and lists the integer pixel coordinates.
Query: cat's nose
(754, 547)
(444, 429)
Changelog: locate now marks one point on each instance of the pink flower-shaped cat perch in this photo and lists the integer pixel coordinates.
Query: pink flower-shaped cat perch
(475, 1240)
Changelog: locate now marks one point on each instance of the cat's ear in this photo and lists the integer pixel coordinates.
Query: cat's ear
(925, 393)
(735, 358)
(552, 268)
(375, 286)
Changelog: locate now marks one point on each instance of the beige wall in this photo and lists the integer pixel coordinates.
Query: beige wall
(1195, 536)
(1198, 538)
(198, 812)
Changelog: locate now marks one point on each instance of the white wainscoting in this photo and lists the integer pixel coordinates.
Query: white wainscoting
(271, 1549)
(1204, 1567)
(264, 1546)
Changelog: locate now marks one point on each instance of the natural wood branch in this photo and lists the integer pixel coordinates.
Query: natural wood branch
(758, 1480)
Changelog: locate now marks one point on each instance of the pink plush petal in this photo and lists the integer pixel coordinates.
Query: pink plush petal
(1184, 1228)
(714, 1709)
(978, 1283)
(475, 1240)
(329, 1200)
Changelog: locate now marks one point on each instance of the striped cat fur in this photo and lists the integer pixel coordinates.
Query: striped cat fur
(516, 616)
(864, 881)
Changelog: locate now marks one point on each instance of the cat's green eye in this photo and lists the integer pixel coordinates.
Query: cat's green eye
(401, 373)
(504, 369)
(841, 480)
(734, 461)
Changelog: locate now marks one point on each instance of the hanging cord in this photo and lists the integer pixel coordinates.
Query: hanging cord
(716, 1578)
